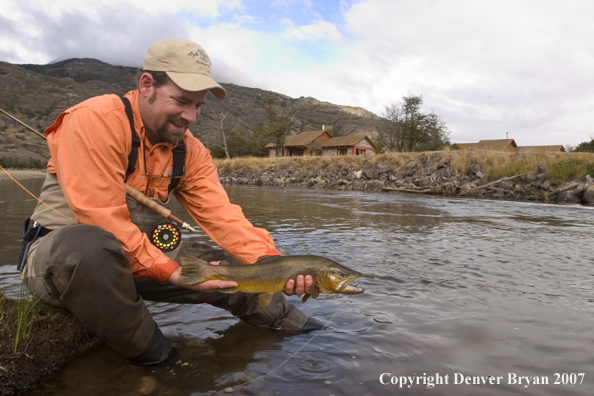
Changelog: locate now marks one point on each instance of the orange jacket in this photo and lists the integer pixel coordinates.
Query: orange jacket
(89, 145)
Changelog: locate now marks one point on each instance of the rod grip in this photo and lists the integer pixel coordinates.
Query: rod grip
(143, 199)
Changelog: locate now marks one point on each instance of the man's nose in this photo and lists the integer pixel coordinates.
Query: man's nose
(190, 115)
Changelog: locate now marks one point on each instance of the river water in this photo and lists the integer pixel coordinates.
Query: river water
(462, 297)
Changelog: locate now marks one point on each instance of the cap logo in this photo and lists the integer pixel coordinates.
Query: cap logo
(200, 57)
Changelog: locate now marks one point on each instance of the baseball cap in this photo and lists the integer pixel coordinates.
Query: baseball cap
(186, 63)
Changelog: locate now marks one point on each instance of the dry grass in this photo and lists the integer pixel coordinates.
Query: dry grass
(495, 165)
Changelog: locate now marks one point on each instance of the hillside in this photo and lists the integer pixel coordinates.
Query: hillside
(37, 94)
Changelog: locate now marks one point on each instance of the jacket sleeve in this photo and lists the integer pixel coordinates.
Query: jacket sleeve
(89, 151)
(204, 198)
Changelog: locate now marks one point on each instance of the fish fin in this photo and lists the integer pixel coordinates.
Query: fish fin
(314, 294)
(229, 290)
(264, 299)
(191, 272)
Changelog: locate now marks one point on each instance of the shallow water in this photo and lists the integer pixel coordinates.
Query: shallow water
(456, 290)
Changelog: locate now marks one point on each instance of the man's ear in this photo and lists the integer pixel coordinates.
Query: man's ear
(146, 85)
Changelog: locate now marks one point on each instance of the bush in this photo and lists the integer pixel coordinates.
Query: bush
(27, 163)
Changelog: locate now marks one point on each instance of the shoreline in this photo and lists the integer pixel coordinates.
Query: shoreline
(21, 174)
(440, 174)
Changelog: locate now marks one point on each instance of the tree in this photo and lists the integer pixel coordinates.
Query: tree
(281, 119)
(224, 125)
(586, 147)
(390, 129)
(405, 128)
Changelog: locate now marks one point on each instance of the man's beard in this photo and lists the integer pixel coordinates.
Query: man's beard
(171, 135)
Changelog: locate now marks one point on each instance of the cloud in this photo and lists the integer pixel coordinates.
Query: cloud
(486, 67)
(321, 30)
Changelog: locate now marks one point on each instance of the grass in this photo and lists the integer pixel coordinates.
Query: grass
(25, 313)
(495, 165)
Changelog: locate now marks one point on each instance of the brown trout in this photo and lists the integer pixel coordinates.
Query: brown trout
(271, 275)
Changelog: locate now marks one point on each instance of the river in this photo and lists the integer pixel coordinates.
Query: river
(462, 296)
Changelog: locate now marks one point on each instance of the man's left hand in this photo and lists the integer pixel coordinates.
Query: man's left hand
(303, 285)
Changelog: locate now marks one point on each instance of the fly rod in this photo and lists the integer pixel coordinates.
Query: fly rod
(130, 191)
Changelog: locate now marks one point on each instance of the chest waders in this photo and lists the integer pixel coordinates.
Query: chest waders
(162, 233)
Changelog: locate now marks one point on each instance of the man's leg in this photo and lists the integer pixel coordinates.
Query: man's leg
(84, 269)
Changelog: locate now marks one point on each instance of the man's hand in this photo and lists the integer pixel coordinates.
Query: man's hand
(303, 285)
(205, 287)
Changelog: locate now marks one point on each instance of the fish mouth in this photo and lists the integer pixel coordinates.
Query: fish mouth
(346, 287)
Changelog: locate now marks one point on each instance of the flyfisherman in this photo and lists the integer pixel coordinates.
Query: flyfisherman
(98, 253)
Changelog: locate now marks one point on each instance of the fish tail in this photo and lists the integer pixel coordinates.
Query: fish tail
(193, 270)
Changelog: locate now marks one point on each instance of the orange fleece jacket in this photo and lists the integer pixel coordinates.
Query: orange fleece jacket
(89, 145)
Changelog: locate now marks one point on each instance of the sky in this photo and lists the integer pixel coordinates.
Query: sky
(489, 69)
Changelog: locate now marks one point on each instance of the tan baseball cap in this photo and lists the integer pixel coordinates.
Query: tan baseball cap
(186, 63)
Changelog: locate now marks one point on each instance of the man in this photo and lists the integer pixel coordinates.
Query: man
(88, 250)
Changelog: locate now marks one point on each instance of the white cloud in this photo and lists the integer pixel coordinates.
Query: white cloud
(203, 8)
(321, 30)
(523, 67)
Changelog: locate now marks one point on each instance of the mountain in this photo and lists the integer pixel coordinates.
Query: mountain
(37, 94)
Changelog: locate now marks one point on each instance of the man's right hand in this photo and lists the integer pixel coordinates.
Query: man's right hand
(204, 287)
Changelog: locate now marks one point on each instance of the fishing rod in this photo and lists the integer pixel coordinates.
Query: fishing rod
(130, 191)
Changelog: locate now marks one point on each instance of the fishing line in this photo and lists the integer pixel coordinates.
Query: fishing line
(33, 195)
(294, 353)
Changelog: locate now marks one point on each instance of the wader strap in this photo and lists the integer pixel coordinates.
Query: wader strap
(133, 156)
(179, 151)
(179, 164)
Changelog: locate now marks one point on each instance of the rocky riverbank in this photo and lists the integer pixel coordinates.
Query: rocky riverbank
(431, 174)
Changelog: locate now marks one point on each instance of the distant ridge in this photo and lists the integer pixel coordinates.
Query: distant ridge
(37, 94)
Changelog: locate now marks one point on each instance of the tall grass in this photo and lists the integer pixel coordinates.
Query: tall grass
(495, 165)
(25, 313)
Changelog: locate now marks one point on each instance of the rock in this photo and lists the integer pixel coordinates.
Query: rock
(531, 177)
(145, 386)
(588, 180)
(474, 169)
(569, 197)
(588, 196)
(546, 185)
(506, 184)
(367, 173)
(542, 168)
(357, 174)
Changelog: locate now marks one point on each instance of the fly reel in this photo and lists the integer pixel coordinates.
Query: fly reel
(166, 237)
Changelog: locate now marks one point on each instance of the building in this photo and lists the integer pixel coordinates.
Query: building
(505, 145)
(348, 145)
(321, 143)
(304, 144)
(509, 146)
(541, 149)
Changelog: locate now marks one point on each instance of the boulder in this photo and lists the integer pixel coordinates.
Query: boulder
(569, 197)
(588, 196)
(474, 169)
(531, 177)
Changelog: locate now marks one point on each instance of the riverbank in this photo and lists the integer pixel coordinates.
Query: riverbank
(49, 338)
(20, 174)
(545, 177)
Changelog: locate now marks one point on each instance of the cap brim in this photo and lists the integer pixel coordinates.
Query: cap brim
(197, 82)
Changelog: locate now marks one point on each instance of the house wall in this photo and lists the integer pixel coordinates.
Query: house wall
(350, 150)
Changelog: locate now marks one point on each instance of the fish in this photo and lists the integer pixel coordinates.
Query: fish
(270, 275)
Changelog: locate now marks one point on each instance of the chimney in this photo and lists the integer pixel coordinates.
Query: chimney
(323, 127)
(507, 135)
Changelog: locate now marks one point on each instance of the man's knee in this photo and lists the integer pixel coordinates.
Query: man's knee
(84, 252)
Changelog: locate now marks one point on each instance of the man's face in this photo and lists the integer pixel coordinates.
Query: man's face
(168, 112)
